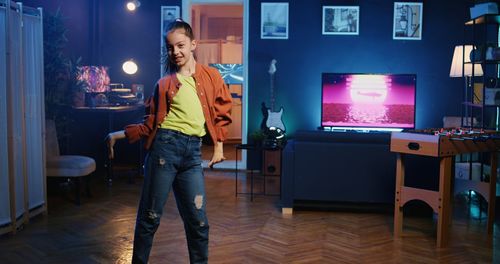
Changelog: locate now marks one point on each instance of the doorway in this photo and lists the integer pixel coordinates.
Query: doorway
(218, 26)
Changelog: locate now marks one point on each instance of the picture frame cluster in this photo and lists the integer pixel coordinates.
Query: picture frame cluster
(343, 20)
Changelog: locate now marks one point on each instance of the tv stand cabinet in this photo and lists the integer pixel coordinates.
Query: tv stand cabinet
(342, 168)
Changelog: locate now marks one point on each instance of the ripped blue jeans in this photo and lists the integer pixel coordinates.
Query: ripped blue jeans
(174, 160)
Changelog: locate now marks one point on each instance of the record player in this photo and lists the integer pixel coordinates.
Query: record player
(118, 95)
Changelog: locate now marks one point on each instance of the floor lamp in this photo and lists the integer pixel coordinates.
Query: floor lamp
(461, 66)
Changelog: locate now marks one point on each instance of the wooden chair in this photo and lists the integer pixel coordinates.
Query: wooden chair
(72, 167)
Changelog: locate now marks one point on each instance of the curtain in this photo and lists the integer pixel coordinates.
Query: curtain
(4, 165)
(34, 107)
(15, 112)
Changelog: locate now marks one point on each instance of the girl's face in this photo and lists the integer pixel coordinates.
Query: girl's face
(180, 47)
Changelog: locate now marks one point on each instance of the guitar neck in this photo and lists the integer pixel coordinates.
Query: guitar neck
(272, 70)
(272, 93)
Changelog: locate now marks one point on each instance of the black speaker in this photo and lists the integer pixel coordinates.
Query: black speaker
(271, 162)
(492, 82)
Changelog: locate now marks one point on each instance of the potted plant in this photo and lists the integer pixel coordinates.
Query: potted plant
(257, 137)
(59, 73)
(76, 87)
(59, 70)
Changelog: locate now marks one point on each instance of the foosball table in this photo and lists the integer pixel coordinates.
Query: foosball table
(443, 144)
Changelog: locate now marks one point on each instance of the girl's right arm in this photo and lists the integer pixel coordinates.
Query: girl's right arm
(136, 131)
(111, 140)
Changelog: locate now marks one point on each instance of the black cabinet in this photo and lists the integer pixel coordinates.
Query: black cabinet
(320, 166)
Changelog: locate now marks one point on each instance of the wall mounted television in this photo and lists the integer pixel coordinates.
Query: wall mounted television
(365, 102)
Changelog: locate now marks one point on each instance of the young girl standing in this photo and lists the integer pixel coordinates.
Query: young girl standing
(190, 102)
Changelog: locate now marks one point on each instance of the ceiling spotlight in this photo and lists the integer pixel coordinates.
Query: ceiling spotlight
(129, 67)
(132, 5)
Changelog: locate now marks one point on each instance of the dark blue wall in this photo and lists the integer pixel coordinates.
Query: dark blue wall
(116, 35)
(76, 18)
(307, 53)
(105, 33)
(134, 35)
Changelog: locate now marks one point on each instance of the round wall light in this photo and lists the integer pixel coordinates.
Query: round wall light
(132, 5)
(129, 67)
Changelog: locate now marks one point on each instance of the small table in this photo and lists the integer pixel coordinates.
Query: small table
(251, 147)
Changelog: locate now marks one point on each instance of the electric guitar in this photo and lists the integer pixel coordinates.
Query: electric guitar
(273, 118)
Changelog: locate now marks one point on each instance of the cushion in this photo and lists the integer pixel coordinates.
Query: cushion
(70, 166)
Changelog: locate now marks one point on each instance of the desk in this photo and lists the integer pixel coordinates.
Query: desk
(271, 171)
(91, 119)
(110, 111)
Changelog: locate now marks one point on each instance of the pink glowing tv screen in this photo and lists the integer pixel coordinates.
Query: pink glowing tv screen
(385, 101)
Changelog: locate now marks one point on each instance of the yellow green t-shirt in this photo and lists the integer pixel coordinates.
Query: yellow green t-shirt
(186, 114)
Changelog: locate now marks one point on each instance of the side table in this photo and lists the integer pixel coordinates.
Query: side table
(274, 172)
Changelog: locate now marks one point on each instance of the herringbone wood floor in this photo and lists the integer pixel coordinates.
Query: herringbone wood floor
(101, 231)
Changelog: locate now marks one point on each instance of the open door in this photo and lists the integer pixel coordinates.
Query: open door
(219, 28)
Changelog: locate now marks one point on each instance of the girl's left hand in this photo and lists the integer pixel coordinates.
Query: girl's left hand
(218, 155)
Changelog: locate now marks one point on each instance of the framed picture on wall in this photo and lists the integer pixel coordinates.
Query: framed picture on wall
(274, 21)
(407, 21)
(168, 15)
(340, 20)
